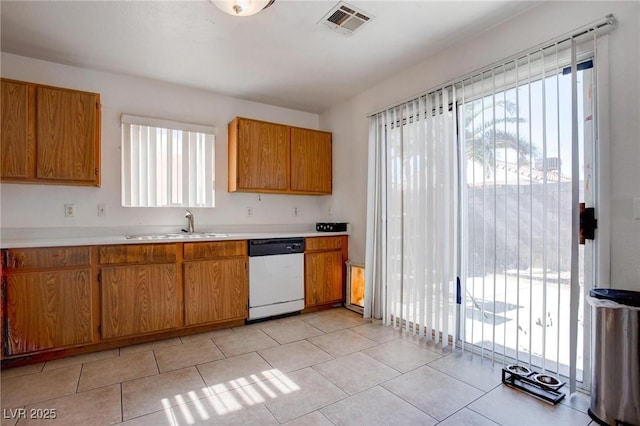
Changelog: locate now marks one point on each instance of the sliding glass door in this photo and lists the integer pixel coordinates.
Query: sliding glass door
(473, 207)
(517, 150)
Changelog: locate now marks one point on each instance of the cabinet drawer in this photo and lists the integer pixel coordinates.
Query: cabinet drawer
(34, 258)
(142, 253)
(323, 243)
(216, 249)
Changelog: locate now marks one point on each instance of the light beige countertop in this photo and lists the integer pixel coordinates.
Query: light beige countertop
(81, 236)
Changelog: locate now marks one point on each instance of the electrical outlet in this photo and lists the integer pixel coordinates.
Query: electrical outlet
(296, 212)
(69, 210)
(102, 209)
(249, 211)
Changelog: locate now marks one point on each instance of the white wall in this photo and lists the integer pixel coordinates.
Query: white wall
(28, 206)
(349, 125)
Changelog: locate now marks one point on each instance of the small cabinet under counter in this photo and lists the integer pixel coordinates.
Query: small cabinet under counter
(50, 299)
(141, 289)
(216, 282)
(325, 270)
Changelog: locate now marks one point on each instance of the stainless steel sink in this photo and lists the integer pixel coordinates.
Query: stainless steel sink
(176, 236)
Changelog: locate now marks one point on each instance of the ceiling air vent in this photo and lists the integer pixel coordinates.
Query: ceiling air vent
(345, 18)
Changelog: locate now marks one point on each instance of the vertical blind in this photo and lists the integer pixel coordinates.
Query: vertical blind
(518, 199)
(526, 127)
(166, 163)
(412, 199)
(479, 181)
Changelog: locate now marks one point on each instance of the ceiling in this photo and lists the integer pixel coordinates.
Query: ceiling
(281, 56)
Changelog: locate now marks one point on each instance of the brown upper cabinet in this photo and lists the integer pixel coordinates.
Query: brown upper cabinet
(275, 158)
(310, 161)
(50, 135)
(18, 128)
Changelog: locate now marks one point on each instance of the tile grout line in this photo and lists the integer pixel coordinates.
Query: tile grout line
(456, 378)
(153, 351)
(316, 346)
(480, 414)
(381, 384)
(325, 416)
(484, 393)
(121, 403)
(79, 377)
(373, 386)
(408, 402)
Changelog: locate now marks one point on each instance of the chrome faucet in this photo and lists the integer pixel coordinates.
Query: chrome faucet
(190, 226)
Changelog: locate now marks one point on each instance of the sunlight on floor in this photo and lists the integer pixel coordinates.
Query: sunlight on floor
(226, 398)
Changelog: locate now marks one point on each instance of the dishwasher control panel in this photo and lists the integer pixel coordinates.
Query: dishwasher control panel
(273, 246)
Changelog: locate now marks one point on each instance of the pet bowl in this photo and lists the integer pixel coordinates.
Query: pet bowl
(547, 380)
(518, 370)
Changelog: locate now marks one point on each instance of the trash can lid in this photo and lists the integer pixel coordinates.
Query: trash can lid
(624, 297)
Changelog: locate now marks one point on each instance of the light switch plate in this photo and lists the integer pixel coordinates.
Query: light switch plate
(636, 208)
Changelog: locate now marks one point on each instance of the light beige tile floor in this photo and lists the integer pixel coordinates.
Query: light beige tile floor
(324, 368)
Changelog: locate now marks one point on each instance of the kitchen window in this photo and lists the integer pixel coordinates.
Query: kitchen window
(167, 163)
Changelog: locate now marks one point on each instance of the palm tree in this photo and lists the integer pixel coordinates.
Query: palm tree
(484, 136)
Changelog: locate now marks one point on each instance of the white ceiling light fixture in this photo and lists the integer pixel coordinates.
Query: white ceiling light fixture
(242, 7)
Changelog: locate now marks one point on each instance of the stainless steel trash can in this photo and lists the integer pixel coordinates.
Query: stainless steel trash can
(615, 385)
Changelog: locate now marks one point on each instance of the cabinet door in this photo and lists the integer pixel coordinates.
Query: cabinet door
(140, 299)
(310, 161)
(262, 155)
(215, 290)
(17, 134)
(323, 278)
(68, 135)
(48, 310)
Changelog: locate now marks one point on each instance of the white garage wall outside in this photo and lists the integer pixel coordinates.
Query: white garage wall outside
(31, 206)
(349, 124)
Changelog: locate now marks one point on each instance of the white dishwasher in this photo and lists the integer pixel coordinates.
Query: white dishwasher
(276, 277)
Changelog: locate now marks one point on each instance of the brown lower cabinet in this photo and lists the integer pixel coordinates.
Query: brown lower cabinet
(67, 300)
(48, 309)
(324, 266)
(215, 290)
(216, 282)
(323, 278)
(140, 299)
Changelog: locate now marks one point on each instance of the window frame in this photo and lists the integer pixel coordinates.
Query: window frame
(184, 166)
